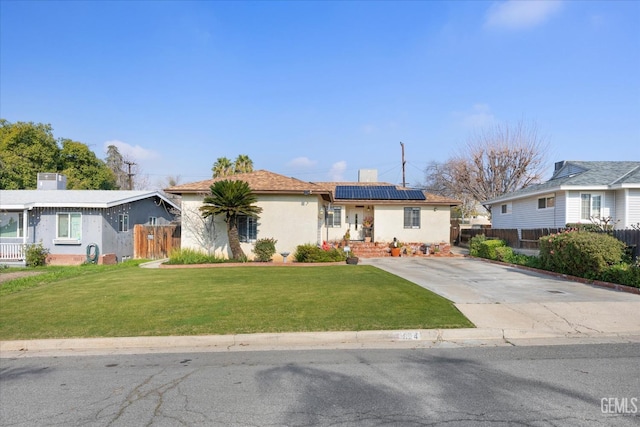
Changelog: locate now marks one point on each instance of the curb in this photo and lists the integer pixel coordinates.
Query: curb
(397, 339)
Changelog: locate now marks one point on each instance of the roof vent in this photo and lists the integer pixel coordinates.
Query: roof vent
(52, 181)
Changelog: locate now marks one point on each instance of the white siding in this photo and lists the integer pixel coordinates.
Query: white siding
(620, 220)
(525, 214)
(633, 207)
(573, 206)
(499, 219)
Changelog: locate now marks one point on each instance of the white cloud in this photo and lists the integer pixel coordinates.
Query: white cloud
(336, 173)
(521, 14)
(132, 152)
(480, 116)
(301, 163)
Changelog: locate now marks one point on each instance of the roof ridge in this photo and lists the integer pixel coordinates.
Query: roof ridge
(633, 170)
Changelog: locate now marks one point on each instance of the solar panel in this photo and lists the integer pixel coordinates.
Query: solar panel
(376, 192)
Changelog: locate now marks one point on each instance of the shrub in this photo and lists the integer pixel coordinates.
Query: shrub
(192, 256)
(624, 274)
(505, 254)
(312, 253)
(580, 253)
(36, 255)
(584, 227)
(264, 249)
(474, 244)
(487, 249)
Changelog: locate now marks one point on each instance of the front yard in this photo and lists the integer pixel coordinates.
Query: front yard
(131, 301)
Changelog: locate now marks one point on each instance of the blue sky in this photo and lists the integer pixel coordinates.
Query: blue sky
(319, 90)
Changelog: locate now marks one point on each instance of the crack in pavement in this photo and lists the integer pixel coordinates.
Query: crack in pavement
(137, 394)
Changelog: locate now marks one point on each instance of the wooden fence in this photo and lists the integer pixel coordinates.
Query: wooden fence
(155, 242)
(528, 238)
(509, 235)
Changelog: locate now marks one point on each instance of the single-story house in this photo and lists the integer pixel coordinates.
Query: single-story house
(68, 221)
(578, 192)
(296, 212)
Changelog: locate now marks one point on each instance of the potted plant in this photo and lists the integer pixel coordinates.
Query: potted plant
(396, 247)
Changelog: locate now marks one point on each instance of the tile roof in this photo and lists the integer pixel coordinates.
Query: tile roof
(263, 182)
(599, 174)
(260, 181)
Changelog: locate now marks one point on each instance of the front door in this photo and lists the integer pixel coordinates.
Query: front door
(355, 215)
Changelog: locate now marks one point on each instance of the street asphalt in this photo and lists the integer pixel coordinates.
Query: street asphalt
(509, 306)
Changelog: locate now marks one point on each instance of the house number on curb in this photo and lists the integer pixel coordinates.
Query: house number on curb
(409, 335)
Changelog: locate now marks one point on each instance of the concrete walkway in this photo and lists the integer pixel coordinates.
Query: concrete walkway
(509, 306)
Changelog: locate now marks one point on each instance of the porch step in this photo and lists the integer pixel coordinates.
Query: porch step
(381, 249)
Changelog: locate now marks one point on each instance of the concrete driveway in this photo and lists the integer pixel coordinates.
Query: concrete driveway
(496, 296)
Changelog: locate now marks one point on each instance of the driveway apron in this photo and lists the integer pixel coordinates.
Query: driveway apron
(499, 296)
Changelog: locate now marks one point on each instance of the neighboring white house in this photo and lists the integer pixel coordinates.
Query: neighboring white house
(578, 192)
(296, 212)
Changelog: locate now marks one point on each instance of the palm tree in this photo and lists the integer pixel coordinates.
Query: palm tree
(222, 167)
(243, 164)
(231, 199)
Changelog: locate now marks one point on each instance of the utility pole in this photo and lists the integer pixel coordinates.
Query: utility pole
(404, 183)
(130, 175)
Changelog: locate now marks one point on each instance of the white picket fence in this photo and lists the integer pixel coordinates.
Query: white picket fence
(12, 251)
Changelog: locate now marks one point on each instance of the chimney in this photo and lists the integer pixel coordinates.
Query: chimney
(368, 175)
(52, 181)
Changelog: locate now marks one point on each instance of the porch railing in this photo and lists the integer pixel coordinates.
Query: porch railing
(12, 251)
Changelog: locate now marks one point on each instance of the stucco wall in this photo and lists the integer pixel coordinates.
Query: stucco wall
(290, 219)
(434, 225)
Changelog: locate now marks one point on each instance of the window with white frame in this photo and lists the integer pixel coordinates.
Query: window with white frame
(123, 222)
(546, 202)
(411, 217)
(247, 228)
(505, 208)
(334, 217)
(11, 224)
(590, 206)
(153, 220)
(69, 226)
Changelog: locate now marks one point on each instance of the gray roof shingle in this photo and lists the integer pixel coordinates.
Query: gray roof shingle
(598, 174)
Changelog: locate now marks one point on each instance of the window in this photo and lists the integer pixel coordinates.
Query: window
(505, 208)
(11, 224)
(546, 202)
(153, 220)
(590, 206)
(334, 217)
(411, 217)
(69, 226)
(247, 228)
(123, 222)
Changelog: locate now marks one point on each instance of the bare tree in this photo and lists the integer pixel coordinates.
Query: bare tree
(494, 162)
(128, 173)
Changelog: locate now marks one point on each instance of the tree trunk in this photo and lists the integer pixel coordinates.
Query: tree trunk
(234, 240)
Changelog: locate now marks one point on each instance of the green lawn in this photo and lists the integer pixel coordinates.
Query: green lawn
(132, 301)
